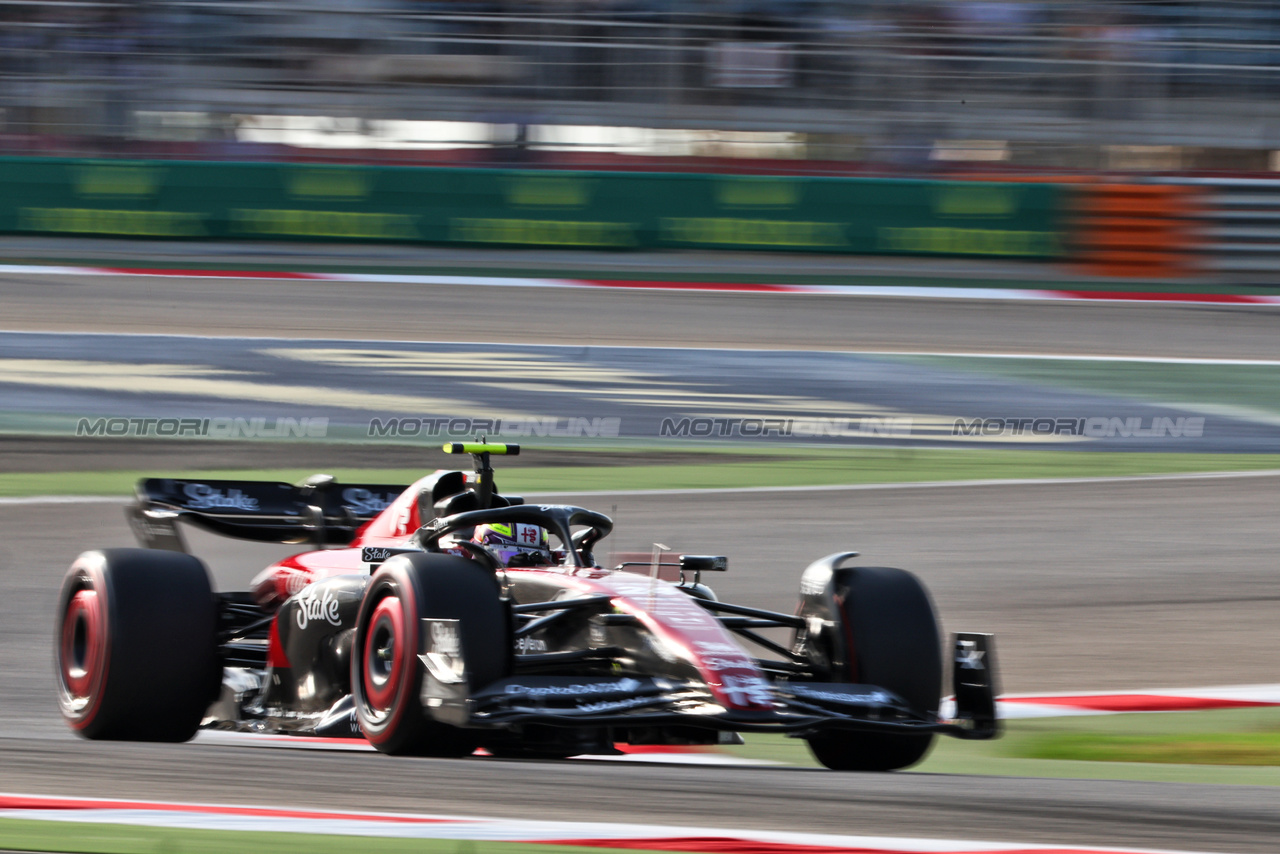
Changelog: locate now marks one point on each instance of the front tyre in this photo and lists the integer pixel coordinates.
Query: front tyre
(386, 673)
(136, 654)
(885, 621)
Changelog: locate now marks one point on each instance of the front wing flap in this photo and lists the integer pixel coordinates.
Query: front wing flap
(579, 698)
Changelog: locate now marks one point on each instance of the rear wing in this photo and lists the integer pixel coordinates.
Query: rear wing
(320, 511)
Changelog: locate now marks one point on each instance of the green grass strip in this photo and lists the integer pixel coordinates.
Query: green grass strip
(1231, 746)
(93, 838)
(848, 468)
(1257, 748)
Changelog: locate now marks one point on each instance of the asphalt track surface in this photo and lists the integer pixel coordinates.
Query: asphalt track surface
(306, 309)
(1087, 586)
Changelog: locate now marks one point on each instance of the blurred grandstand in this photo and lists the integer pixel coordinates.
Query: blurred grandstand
(836, 85)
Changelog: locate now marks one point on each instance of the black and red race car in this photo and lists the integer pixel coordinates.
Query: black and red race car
(397, 627)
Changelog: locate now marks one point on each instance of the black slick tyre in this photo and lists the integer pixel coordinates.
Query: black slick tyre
(135, 647)
(386, 674)
(891, 634)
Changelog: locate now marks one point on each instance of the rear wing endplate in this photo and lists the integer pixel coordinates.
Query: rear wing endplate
(321, 510)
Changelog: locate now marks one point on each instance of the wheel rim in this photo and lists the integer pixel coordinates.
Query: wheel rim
(81, 650)
(384, 655)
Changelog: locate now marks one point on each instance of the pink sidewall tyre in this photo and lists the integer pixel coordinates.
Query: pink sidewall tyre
(135, 646)
(386, 673)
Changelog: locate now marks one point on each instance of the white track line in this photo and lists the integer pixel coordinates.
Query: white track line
(747, 490)
(1063, 357)
(44, 500)
(409, 826)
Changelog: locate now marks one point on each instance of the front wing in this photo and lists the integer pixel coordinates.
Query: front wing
(799, 708)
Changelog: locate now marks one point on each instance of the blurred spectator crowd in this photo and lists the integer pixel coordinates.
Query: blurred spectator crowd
(80, 75)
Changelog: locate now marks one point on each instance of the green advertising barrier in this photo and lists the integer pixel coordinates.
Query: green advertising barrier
(600, 210)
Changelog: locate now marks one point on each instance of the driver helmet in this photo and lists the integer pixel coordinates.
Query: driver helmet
(515, 544)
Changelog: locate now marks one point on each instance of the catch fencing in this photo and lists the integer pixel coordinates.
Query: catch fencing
(1041, 82)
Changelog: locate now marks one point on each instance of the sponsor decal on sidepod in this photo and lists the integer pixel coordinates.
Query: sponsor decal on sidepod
(322, 607)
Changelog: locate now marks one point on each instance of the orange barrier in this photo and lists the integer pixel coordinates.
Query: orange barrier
(1138, 230)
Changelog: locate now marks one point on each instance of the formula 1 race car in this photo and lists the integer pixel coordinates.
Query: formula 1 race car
(402, 627)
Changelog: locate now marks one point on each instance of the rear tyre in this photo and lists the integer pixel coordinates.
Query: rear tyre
(386, 674)
(888, 625)
(136, 653)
